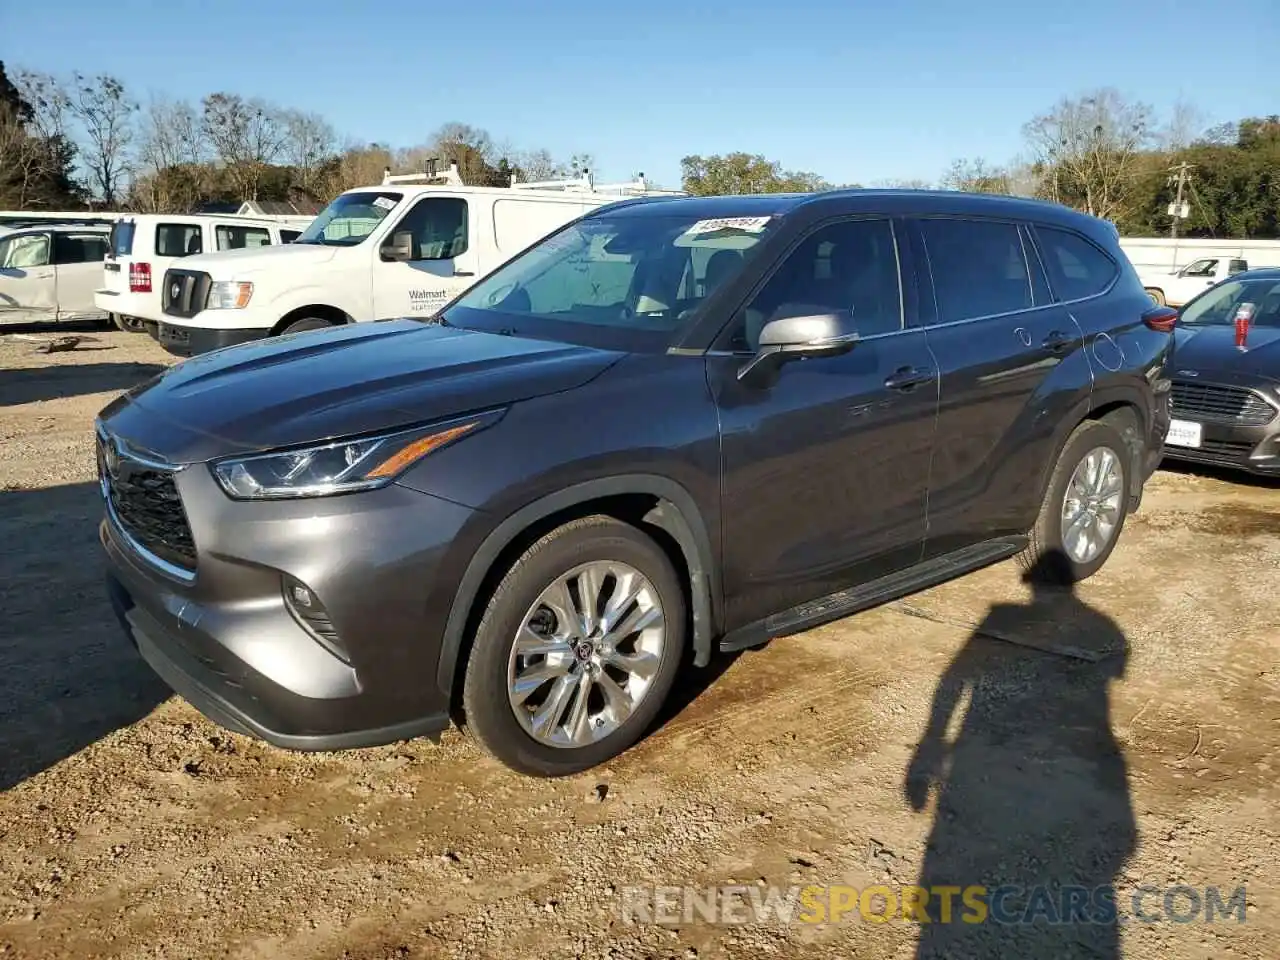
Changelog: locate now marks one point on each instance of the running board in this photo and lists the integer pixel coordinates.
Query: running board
(930, 573)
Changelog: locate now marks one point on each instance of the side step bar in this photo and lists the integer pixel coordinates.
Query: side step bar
(930, 573)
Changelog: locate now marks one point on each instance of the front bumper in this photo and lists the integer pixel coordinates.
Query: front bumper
(225, 639)
(1253, 448)
(191, 341)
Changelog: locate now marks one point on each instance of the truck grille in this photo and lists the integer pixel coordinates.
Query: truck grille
(184, 292)
(1215, 403)
(143, 500)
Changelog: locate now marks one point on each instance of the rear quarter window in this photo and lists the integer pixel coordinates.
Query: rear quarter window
(979, 267)
(237, 238)
(1077, 268)
(288, 236)
(178, 240)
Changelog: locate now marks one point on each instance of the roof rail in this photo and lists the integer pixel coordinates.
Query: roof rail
(451, 177)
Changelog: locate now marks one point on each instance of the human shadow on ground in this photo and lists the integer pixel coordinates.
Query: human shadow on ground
(1032, 790)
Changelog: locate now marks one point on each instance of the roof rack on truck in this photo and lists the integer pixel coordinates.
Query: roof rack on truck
(583, 183)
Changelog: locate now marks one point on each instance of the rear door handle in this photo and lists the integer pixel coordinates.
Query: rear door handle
(905, 379)
(1057, 341)
(464, 273)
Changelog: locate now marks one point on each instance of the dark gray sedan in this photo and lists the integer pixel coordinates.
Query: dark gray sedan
(1226, 386)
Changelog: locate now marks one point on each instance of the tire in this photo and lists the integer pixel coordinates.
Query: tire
(306, 323)
(1050, 557)
(1157, 296)
(490, 714)
(127, 324)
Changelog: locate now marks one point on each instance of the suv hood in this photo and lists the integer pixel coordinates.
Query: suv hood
(1213, 347)
(234, 264)
(322, 385)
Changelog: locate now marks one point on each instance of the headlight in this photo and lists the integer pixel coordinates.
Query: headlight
(228, 295)
(342, 466)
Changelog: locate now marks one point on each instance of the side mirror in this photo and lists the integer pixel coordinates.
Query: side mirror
(795, 331)
(399, 248)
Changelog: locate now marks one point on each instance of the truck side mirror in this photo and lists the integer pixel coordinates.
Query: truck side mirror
(399, 248)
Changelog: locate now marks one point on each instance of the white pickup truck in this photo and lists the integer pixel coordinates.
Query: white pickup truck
(1177, 287)
(379, 252)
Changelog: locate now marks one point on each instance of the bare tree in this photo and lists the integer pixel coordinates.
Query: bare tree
(1186, 124)
(105, 113)
(246, 136)
(49, 102)
(172, 153)
(310, 142)
(359, 165)
(1088, 147)
(975, 176)
(471, 148)
(907, 184)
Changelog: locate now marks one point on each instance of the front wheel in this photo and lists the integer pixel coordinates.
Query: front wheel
(1157, 296)
(307, 323)
(1084, 507)
(577, 649)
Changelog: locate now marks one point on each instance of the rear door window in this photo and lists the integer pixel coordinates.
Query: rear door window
(238, 238)
(179, 239)
(979, 268)
(1077, 268)
(79, 247)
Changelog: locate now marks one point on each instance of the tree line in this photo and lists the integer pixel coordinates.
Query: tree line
(76, 141)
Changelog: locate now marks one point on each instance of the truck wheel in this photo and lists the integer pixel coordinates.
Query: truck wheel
(577, 649)
(306, 323)
(1084, 506)
(127, 324)
(1156, 295)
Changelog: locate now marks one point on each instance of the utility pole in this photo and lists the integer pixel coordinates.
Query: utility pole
(1176, 210)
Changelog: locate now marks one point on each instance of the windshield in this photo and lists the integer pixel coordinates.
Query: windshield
(350, 218)
(1218, 305)
(641, 274)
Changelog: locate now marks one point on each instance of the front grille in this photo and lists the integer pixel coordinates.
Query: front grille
(144, 501)
(1214, 403)
(184, 292)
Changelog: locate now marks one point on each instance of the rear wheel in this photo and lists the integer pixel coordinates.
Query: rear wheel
(307, 323)
(1084, 507)
(577, 649)
(127, 324)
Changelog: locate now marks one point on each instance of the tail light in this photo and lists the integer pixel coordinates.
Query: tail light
(1161, 319)
(139, 278)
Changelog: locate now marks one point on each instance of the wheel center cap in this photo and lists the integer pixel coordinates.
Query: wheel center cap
(584, 650)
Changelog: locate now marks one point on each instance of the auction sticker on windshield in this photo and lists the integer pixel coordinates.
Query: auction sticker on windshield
(748, 224)
(386, 203)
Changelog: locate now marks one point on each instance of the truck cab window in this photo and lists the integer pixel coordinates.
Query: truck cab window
(438, 226)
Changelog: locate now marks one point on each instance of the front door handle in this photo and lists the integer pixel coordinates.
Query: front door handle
(905, 379)
(1057, 341)
(464, 273)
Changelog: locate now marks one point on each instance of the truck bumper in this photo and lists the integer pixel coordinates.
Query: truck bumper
(192, 341)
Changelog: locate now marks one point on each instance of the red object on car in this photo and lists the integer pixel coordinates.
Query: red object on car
(1244, 316)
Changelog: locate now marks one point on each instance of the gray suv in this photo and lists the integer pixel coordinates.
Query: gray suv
(671, 427)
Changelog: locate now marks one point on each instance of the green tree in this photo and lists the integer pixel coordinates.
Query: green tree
(742, 173)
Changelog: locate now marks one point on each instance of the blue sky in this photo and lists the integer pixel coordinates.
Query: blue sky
(854, 91)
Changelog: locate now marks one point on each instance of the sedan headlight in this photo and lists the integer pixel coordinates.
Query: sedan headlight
(228, 295)
(341, 466)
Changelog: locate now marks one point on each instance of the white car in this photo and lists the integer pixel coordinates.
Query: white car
(48, 273)
(144, 246)
(376, 252)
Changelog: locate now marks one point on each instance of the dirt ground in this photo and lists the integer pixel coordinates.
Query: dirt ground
(1124, 735)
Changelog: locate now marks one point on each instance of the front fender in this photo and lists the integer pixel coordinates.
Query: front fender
(676, 513)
